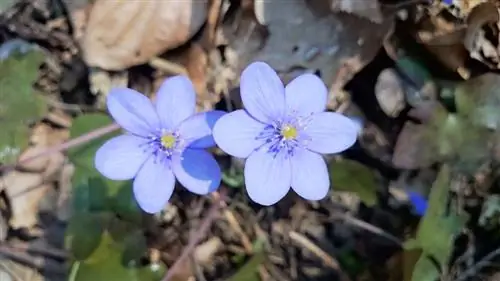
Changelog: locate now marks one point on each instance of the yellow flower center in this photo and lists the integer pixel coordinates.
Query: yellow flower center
(289, 132)
(168, 141)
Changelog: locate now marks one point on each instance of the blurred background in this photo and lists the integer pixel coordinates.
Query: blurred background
(416, 198)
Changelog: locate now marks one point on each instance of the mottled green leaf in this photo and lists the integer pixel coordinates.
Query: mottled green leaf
(83, 233)
(490, 213)
(249, 271)
(19, 103)
(83, 155)
(440, 225)
(479, 100)
(106, 263)
(349, 175)
(425, 270)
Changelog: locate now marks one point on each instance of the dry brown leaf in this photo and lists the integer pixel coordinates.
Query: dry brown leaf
(368, 9)
(410, 150)
(484, 16)
(24, 190)
(121, 34)
(301, 41)
(205, 252)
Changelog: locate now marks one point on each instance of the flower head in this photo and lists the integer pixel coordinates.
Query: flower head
(165, 140)
(282, 132)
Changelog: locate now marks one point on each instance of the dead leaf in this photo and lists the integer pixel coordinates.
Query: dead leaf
(299, 41)
(390, 93)
(24, 190)
(368, 9)
(483, 17)
(204, 252)
(121, 34)
(410, 151)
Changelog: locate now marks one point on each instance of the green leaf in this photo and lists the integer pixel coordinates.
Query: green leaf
(20, 105)
(348, 175)
(248, 272)
(425, 270)
(83, 234)
(106, 263)
(478, 99)
(438, 228)
(90, 193)
(123, 203)
(83, 156)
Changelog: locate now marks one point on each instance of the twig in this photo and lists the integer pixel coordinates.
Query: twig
(233, 223)
(196, 237)
(366, 226)
(326, 258)
(478, 266)
(97, 133)
(168, 66)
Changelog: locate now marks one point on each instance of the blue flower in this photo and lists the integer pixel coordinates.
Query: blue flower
(282, 132)
(418, 202)
(165, 140)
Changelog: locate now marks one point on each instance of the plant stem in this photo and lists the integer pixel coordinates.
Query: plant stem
(94, 134)
(198, 235)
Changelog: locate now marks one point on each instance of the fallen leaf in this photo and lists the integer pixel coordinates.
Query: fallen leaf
(113, 41)
(300, 42)
(24, 190)
(204, 252)
(369, 9)
(352, 176)
(477, 41)
(411, 150)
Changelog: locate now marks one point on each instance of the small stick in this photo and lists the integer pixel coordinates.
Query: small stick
(198, 235)
(97, 133)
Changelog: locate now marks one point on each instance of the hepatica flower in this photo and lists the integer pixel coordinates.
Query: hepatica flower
(282, 132)
(165, 140)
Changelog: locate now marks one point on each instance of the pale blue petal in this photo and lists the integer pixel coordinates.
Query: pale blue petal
(309, 175)
(306, 94)
(197, 171)
(133, 111)
(267, 176)
(236, 133)
(154, 185)
(331, 132)
(175, 101)
(197, 129)
(121, 157)
(262, 92)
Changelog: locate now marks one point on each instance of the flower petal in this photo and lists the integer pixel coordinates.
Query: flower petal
(267, 176)
(331, 132)
(197, 129)
(262, 92)
(197, 171)
(309, 175)
(236, 132)
(175, 101)
(121, 157)
(306, 94)
(133, 111)
(154, 185)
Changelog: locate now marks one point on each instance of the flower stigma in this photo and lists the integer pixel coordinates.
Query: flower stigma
(289, 132)
(168, 141)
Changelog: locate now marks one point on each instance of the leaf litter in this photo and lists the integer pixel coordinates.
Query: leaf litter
(421, 77)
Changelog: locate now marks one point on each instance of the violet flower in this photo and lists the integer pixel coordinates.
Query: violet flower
(282, 132)
(165, 140)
